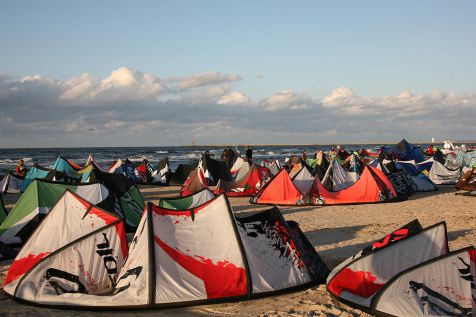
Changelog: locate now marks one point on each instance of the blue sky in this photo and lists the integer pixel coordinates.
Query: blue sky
(377, 49)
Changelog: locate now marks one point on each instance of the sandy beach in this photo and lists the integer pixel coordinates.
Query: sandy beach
(336, 232)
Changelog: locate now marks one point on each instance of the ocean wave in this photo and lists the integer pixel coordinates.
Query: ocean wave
(8, 161)
(270, 156)
(185, 156)
(162, 152)
(139, 158)
(15, 161)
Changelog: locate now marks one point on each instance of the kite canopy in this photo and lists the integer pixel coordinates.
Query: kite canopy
(247, 185)
(131, 202)
(84, 257)
(423, 183)
(338, 176)
(466, 159)
(409, 272)
(279, 191)
(273, 166)
(116, 167)
(3, 210)
(66, 171)
(405, 177)
(373, 186)
(441, 175)
(35, 172)
(163, 173)
(132, 206)
(278, 254)
(10, 184)
(37, 201)
(214, 170)
(171, 260)
(242, 171)
(187, 202)
(239, 163)
(182, 173)
(405, 151)
(283, 189)
(195, 182)
(117, 183)
(443, 286)
(92, 161)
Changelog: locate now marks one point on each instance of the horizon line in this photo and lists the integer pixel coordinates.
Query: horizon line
(238, 144)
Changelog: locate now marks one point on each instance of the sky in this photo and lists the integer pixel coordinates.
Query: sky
(152, 73)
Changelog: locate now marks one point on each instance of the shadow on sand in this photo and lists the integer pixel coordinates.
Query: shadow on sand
(453, 235)
(328, 236)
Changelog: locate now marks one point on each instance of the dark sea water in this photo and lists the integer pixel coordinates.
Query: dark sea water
(176, 154)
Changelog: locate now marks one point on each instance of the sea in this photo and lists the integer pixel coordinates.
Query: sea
(105, 156)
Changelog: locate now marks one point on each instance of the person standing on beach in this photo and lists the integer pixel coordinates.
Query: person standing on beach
(21, 169)
(249, 154)
(231, 157)
(342, 154)
(227, 156)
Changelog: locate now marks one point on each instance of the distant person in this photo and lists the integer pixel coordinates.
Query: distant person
(249, 154)
(224, 155)
(439, 156)
(21, 169)
(231, 157)
(292, 161)
(430, 150)
(342, 154)
(227, 156)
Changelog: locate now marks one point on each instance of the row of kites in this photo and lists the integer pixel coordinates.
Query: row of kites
(171, 261)
(405, 165)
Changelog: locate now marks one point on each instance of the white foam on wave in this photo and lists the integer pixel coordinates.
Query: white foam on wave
(8, 161)
(140, 158)
(185, 157)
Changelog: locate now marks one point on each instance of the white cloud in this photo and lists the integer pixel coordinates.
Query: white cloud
(287, 99)
(406, 94)
(133, 108)
(78, 87)
(114, 124)
(216, 91)
(233, 98)
(122, 84)
(204, 79)
(338, 97)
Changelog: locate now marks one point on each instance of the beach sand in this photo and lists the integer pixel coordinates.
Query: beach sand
(336, 232)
